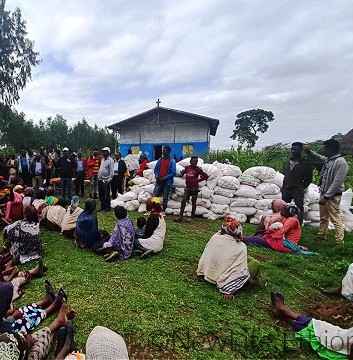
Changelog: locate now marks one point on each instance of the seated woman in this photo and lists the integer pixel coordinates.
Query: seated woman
(14, 207)
(39, 198)
(346, 287)
(4, 191)
(329, 341)
(15, 343)
(53, 215)
(28, 198)
(155, 230)
(86, 233)
(121, 241)
(68, 224)
(282, 236)
(266, 221)
(224, 261)
(50, 199)
(22, 238)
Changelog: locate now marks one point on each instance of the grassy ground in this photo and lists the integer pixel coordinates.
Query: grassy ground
(165, 312)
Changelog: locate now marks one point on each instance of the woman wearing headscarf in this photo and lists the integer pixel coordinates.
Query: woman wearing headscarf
(284, 235)
(50, 199)
(52, 215)
(14, 341)
(156, 227)
(68, 224)
(121, 241)
(224, 261)
(22, 238)
(14, 207)
(28, 198)
(86, 233)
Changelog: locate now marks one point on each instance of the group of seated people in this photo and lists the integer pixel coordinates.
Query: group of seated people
(224, 262)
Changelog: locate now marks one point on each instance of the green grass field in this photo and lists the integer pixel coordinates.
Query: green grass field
(164, 311)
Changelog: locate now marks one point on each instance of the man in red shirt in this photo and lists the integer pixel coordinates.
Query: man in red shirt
(164, 172)
(193, 175)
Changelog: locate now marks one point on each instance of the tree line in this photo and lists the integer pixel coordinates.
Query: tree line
(17, 132)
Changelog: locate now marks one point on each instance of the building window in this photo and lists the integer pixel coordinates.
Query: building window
(188, 150)
(135, 149)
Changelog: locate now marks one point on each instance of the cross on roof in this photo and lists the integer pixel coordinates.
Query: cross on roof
(158, 102)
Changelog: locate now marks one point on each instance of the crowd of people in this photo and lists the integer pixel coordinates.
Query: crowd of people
(28, 207)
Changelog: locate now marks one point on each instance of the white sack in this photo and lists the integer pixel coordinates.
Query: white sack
(142, 208)
(219, 199)
(212, 183)
(132, 205)
(128, 196)
(186, 162)
(140, 181)
(212, 216)
(174, 204)
(268, 189)
(219, 209)
(346, 202)
(143, 196)
(278, 180)
(254, 220)
(313, 216)
(149, 188)
(169, 211)
(243, 202)
(205, 192)
(149, 175)
(264, 204)
(276, 196)
(179, 191)
(240, 217)
(312, 194)
(261, 172)
(176, 197)
(231, 170)
(179, 168)
(211, 170)
(229, 182)
(314, 207)
(136, 189)
(152, 164)
(116, 202)
(200, 211)
(224, 192)
(179, 182)
(247, 191)
(248, 211)
(206, 203)
(249, 180)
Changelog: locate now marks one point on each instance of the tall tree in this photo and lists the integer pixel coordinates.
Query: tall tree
(248, 124)
(17, 56)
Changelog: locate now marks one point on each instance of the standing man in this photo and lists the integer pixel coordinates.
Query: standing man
(24, 167)
(164, 172)
(119, 175)
(94, 162)
(298, 174)
(38, 172)
(331, 186)
(44, 157)
(105, 176)
(132, 163)
(67, 165)
(81, 168)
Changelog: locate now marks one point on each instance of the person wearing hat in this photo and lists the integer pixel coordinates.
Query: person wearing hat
(105, 177)
(298, 174)
(67, 165)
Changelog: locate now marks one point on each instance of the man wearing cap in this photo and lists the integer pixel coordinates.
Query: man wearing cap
(298, 174)
(105, 176)
(67, 165)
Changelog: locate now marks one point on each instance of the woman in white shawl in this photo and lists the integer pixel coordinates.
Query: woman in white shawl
(224, 261)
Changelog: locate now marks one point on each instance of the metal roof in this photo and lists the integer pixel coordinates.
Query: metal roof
(213, 123)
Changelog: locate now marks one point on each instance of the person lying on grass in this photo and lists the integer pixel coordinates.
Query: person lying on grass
(329, 341)
(22, 238)
(15, 343)
(346, 287)
(282, 236)
(155, 230)
(121, 241)
(26, 318)
(193, 175)
(9, 273)
(224, 261)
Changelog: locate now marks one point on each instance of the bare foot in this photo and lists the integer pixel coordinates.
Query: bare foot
(62, 318)
(227, 297)
(279, 306)
(71, 314)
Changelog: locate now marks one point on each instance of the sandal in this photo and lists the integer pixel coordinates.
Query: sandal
(49, 289)
(61, 294)
(112, 256)
(146, 254)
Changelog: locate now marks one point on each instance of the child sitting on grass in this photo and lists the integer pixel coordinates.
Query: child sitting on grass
(139, 230)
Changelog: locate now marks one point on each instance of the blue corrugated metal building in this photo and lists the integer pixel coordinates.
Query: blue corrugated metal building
(186, 133)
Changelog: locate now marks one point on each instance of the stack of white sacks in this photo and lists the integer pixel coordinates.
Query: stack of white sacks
(245, 195)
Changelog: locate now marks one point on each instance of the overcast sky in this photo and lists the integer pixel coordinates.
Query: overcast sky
(107, 60)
